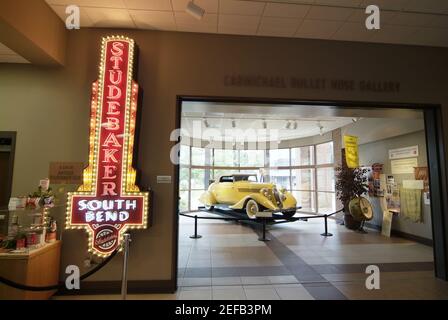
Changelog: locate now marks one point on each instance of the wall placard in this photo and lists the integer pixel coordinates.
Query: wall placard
(403, 166)
(66, 172)
(400, 153)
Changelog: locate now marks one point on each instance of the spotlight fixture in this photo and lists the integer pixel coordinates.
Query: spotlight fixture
(294, 127)
(265, 124)
(194, 10)
(354, 120)
(288, 125)
(321, 128)
(233, 123)
(206, 124)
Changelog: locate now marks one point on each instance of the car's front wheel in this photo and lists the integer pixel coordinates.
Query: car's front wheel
(209, 208)
(252, 209)
(288, 214)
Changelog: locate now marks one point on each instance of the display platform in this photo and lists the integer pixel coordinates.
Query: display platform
(273, 218)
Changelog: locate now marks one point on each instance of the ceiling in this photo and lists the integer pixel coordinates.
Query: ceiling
(9, 56)
(202, 120)
(418, 22)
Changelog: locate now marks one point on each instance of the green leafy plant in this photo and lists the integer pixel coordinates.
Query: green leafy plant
(350, 183)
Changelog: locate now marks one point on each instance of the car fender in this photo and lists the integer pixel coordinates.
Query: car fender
(207, 198)
(290, 201)
(259, 198)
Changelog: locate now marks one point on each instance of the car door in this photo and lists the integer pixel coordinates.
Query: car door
(224, 193)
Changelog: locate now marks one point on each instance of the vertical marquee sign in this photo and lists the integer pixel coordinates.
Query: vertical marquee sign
(109, 203)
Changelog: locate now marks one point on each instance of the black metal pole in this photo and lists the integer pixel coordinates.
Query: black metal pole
(196, 235)
(326, 233)
(263, 237)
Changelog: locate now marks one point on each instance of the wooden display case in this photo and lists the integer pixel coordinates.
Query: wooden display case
(38, 267)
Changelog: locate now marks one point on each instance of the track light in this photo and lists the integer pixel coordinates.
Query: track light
(194, 10)
(294, 127)
(288, 125)
(265, 125)
(321, 128)
(233, 124)
(206, 124)
(354, 120)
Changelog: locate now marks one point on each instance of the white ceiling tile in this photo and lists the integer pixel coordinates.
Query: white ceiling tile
(238, 21)
(159, 20)
(352, 31)
(12, 58)
(90, 3)
(210, 6)
(85, 19)
(329, 13)
(185, 18)
(359, 15)
(322, 29)
(241, 7)
(197, 28)
(385, 4)
(273, 26)
(342, 3)
(160, 5)
(110, 18)
(236, 24)
(285, 10)
(394, 34)
(428, 6)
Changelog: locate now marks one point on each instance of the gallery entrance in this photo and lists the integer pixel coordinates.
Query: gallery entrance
(297, 149)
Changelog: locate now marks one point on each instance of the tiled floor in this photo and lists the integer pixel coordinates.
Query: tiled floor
(229, 263)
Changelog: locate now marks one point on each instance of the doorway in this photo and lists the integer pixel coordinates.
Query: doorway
(7, 150)
(305, 165)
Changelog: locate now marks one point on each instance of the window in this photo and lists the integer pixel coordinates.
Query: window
(252, 158)
(225, 158)
(226, 179)
(303, 156)
(303, 179)
(197, 156)
(308, 172)
(184, 155)
(279, 158)
(281, 178)
(324, 153)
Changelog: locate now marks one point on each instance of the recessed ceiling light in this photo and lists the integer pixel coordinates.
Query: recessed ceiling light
(194, 10)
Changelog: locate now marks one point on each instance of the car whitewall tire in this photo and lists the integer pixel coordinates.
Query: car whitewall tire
(209, 208)
(252, 209)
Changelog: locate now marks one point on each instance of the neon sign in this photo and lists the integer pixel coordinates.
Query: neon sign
(108, 203)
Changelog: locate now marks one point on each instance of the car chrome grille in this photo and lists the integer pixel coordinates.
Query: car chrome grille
(277, 198)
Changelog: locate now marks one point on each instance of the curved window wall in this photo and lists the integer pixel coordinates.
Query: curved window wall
(308, 172)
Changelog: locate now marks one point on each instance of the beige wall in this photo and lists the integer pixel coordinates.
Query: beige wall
(378, 152)
(49, 107)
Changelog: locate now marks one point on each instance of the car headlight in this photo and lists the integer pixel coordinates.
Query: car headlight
(283, 197)
(265, 192)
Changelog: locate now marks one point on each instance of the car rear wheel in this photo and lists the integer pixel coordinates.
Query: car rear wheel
(252, 209)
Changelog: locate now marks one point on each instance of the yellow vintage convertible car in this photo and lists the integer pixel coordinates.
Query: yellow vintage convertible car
(243, 192)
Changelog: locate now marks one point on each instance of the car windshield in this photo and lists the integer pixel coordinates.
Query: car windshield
(252, 178)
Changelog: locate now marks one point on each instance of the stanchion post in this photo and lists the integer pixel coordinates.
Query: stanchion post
(124, 276)
(326, 233)
(196, 235)
(263, 237)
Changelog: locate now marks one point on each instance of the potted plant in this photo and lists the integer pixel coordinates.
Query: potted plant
(350, 183)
